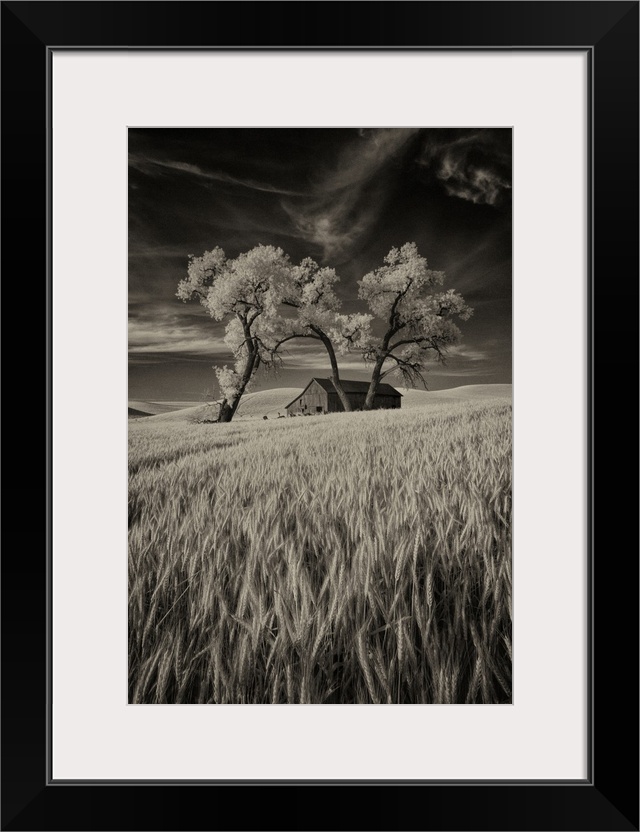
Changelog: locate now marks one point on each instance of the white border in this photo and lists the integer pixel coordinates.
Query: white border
(95, 733)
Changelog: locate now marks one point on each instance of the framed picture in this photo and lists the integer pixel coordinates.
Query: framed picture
(458, 155)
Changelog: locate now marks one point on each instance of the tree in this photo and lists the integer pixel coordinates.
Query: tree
(417, 320)
(239, 291)
(309, 290)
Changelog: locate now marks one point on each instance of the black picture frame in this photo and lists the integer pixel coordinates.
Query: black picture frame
(608, 798)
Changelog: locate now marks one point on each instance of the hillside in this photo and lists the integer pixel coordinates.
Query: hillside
(271, 402)
(253, 406)
(469, 392)
(144, 408)
(355, 558)
(267, 402)
(133, 413)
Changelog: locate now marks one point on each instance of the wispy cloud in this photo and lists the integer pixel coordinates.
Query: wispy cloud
(462, 351)
(158, 328)
(143, 359)
(475, 166)
(466, 372)
(145, 249)
(154, 167)
(320, 362)
(348, 197)
(184, 339)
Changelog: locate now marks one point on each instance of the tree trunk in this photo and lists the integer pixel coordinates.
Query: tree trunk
(225, 413)
(373, 385)
(229, 406)
(335, 373)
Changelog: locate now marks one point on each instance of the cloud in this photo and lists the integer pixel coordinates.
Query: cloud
(143, 359)
(467, 353)
(320, 361)
(306, 354)
(161, 252)
(471, 165)
(152, 338)
(447, 372)
(159, 328)
(347, 198)
(154, 167)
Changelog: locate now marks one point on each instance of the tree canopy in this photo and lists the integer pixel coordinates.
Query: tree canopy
(267, 301)
(417, 319)
(240, 291)
(309, 290)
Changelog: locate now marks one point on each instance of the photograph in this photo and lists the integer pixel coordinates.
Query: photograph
(320, 415)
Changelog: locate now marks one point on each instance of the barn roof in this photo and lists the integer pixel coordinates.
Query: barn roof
(349, 386)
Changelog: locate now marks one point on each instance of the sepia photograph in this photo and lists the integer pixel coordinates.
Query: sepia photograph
(320, 416)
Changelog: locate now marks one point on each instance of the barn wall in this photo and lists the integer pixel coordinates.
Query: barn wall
(357, 402)
(313, 398)
(382, 401)
(356, 399)
(334, 404)
(329, 402)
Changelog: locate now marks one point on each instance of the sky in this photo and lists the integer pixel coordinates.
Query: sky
(341, 196)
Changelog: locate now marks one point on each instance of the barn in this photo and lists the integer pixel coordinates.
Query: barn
(320, 396)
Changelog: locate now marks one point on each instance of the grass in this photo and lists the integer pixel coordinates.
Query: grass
(354, 558)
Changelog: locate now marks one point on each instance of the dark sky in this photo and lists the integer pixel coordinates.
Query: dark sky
(342, 196)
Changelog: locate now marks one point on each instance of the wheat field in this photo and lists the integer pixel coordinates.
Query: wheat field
(351, 558)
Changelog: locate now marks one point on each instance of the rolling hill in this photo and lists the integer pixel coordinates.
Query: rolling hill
(469, 392)
(133, 413)
(253, 406)
(271, 402)
(144, 408)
